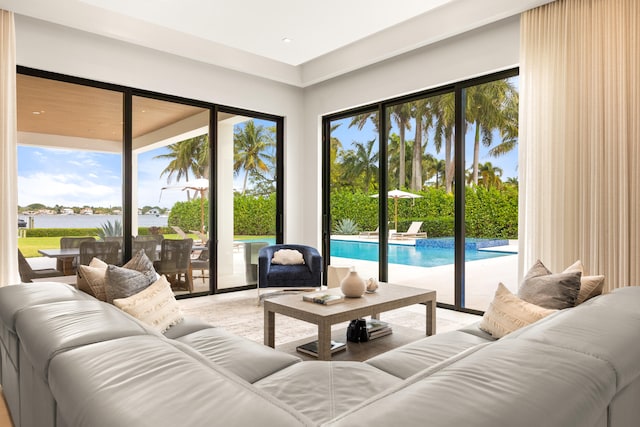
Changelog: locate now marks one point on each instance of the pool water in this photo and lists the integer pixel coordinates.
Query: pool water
(420, 256)
(430, 253)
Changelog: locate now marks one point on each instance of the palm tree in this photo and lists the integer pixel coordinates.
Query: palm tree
(252, 150)
(486, 105)
(335, 146)
(434, 168)
(509, 128)
(188, 156)
(489, 175)
(401, 115)
(444, 112)
(422, 115)
(362, 164)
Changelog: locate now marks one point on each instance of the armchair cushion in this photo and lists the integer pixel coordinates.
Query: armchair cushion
(287, 257)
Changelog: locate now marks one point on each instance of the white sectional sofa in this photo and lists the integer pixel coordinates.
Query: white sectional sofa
(70, 360)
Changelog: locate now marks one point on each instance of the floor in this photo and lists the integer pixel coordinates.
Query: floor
(5, 418)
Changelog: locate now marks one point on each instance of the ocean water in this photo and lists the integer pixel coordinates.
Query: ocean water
(90, 221)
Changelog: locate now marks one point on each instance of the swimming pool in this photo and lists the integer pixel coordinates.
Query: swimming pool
(430, 253)
(420, 256)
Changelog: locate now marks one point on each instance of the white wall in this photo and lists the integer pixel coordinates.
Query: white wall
(488, 49)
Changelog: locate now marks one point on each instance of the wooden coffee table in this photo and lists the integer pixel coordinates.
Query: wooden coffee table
(388, 297)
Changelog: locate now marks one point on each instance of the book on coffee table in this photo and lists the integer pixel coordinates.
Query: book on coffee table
(311, 348)
(323, 298)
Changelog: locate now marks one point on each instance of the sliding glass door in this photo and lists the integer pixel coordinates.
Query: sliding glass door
(353, 179)
(70, 155)
(170, 177)
(104, 162)
(491, 189)
(440, 210)
(249, 200)
(420, 159)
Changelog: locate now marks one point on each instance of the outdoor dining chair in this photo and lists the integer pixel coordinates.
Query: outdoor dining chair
(175, 263)
(27, 274)
(148, 243)
(68, 264)
(108, 252)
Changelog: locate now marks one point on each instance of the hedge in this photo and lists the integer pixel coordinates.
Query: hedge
(490, 213)
(81, 232)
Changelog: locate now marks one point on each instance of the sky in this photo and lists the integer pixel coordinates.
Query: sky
(85, 178)
(72, 178)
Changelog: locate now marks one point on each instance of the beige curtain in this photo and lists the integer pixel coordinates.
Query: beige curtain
(580, 137)
(8, 153)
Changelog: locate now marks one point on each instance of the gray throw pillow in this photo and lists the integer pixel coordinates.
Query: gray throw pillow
(122, 282)
(141, 262)
(548, 290)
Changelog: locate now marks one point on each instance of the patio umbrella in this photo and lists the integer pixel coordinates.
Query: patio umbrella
(200, 185)
(398, 194)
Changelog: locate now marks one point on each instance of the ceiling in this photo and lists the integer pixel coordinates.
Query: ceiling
(51, 107)
(326, 38)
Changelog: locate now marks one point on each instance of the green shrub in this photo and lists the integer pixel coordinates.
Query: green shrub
(110, 229)
(61, 232)
(187, 215)
(489, 213)
(346, 226)
(254, 215)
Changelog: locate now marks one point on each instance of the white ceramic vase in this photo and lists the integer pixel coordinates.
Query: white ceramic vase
(352, 286)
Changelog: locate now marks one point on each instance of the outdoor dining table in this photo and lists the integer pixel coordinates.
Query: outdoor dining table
(73, 253)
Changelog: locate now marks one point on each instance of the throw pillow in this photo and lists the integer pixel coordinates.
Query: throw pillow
(122, 282)
(590, 286)
(91, 278)
(141, 262)
(156, 306)
(287, 257)
(507, 313)
(548, 290)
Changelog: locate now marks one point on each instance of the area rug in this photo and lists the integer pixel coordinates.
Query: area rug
(240, 313)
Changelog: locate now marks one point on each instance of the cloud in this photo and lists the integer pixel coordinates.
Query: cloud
(66, 190)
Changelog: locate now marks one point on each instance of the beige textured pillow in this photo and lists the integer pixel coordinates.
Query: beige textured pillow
(507, 313)
(590, 286)
(91, 278)
(287, 257)
(156, 306)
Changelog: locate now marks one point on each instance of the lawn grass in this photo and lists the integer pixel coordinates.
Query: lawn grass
(29, 245)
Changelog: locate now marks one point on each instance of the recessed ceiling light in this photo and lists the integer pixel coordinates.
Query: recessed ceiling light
(37, 113)
(286, 40)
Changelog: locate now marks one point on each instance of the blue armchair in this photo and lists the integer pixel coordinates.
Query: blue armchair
(304, 275)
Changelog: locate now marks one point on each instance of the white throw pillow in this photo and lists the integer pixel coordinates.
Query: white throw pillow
(155, 305)
(287, 257)
(507, 313)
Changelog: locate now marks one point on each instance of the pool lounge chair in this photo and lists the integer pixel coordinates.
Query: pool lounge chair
(412, 233)
(370, 233)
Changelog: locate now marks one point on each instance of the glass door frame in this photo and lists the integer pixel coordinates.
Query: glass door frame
(213, 179)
